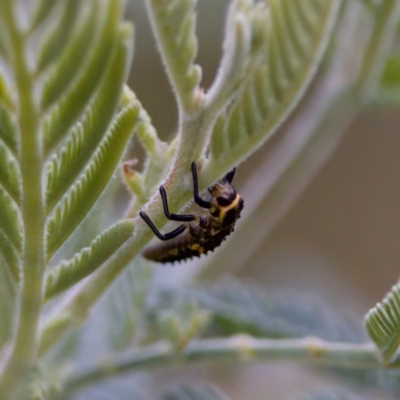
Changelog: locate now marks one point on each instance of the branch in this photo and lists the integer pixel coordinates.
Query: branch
(24, 353)
(238, 349)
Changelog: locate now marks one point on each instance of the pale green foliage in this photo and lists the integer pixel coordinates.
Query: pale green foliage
(73, 98)
(66, 120)
(8, 129)
(11, 257)
(125, 305)
(42, 11)
(86, 136)
(5, 93)
(297, 35)
(56, 40)
(9, 174)
(8, 293)
(183, 323)
(383, 323)
(88, 259)
(245, 307)
(65, 69)
(10, 221)
(74, 101)
(84, 193)
(47, 383)
(174, 23)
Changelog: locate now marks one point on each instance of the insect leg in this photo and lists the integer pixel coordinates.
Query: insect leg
(229, 176)
(167, 236)
(197, 198)
(173, 217)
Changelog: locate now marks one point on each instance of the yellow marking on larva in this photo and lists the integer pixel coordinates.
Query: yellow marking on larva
(194, 246)
(225, 209)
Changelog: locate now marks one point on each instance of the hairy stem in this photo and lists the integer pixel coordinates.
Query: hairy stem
(240, 348)
(24, 353)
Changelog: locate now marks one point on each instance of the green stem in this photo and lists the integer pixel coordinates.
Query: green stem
(24, 353)
(240, 348)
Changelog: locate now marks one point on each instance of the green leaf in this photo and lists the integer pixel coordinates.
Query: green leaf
(11, 258)
(88, 260)
(56, 40)
(47, 381)
(42, 12)
(72, 104)
(67, 67)
(6, 96)
(9, 174)
(298, 36)
(391, 75)
(246, 308)
(174, 22)
(383, 323)
(194, 392)
(8, 290)
(8, 129)
(82, 196)
(85, 138)
(125, 305)
(181, 326)
(10, 219)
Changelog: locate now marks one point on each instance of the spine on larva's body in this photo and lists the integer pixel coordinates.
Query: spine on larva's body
(168, 251)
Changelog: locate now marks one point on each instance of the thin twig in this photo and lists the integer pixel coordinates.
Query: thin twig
(239, 349)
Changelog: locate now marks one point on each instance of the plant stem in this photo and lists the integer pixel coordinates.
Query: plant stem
(24, 351)
(240, 348)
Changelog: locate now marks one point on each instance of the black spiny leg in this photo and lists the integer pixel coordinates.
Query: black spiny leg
(229, 176)
(165, 237)
(173, 217)
(197, 198)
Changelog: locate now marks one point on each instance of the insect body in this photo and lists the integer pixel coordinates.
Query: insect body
(200, 234)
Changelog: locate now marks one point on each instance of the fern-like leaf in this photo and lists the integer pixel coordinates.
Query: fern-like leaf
(125, 305)
(72, 104)
(383, 323)
(56, 40)
(174, 23)
(11, 257)
(47, 382)
(42, 12)
(70, 62)
(8, 290)
(88, 260)
(194, 392)
(9, 174)
(63, 169)
(10, 219)
(297, 37)
(246, 308)
(8, 129)
(82, 196)
(5, 92)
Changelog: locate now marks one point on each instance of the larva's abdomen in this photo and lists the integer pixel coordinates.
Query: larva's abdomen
(171, 250)
(185, 246)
